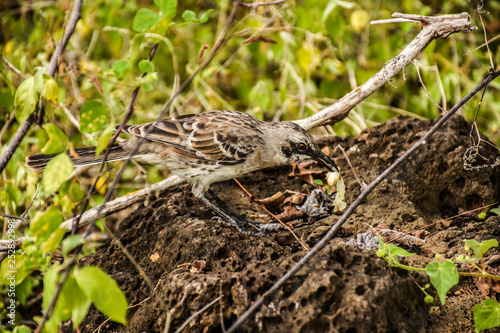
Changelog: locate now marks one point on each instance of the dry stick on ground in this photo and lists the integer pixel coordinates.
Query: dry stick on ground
(333, 230)
(23, 129)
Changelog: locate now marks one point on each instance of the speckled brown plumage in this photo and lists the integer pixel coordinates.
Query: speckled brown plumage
(207, 148)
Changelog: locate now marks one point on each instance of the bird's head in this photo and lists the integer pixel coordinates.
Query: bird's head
(297, 145)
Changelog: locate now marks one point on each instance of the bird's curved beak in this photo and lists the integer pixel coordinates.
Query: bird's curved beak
(325, 161)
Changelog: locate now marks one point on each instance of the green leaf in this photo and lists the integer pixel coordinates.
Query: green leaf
(318, 181)
(25, 99)
(495, 210)
(50, 284)
(121, 67)
(168, 8)
(71, 242)
(189, 15)
(56, 172)
(13, 270)
(57, 139)
(21, 329)
(443, 275)
(395, 250)
(144, 20)
(51, 90)
(45, 223)
(60, 312)
(93, 117)
(103, 141)
(39, 82)
(75, 299)
(23, 290)
(54, 240)
(487, 315)
(204, 17)
(104, 292)
(335, 26)
(480, 248)
(146, 66)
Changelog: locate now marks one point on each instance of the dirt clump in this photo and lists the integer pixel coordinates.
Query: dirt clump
(344, 288)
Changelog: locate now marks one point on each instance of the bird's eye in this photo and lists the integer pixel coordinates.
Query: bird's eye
(302, 146)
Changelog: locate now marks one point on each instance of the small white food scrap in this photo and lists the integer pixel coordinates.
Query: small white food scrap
(335, 179)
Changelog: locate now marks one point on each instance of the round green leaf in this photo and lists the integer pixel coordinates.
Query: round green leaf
(443, 275)
(121, 67)
(189, 15)
(146, 66)
(93, 117)
(104, 293)
(144, 20)
(487, 315)
(168, 8)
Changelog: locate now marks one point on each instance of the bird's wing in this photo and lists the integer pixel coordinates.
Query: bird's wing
(223, 136)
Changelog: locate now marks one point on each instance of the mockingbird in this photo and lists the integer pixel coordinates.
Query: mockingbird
(210, 147)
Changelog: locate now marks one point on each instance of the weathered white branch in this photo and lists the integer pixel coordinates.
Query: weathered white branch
(118, 204)
(432, 28)
(109, 208)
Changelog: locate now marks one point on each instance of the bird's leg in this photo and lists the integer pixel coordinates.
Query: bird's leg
(229, 217)
(223, 204)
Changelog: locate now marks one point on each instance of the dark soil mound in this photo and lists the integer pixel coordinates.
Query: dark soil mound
(343, 289)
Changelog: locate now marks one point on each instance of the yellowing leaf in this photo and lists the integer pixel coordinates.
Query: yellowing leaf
(25, 99)
(102, 142)
(51, 90)
(304, 59)
(54, 240)
(359, 20)
(13, 270)
(56, 172)
(45, 223)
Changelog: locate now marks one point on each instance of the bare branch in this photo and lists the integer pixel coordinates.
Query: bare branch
(433, 27)
(118, 204)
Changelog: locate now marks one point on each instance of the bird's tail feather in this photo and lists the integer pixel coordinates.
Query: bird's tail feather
(80, 157)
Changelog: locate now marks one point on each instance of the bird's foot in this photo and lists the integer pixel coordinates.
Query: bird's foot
(250, 228)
